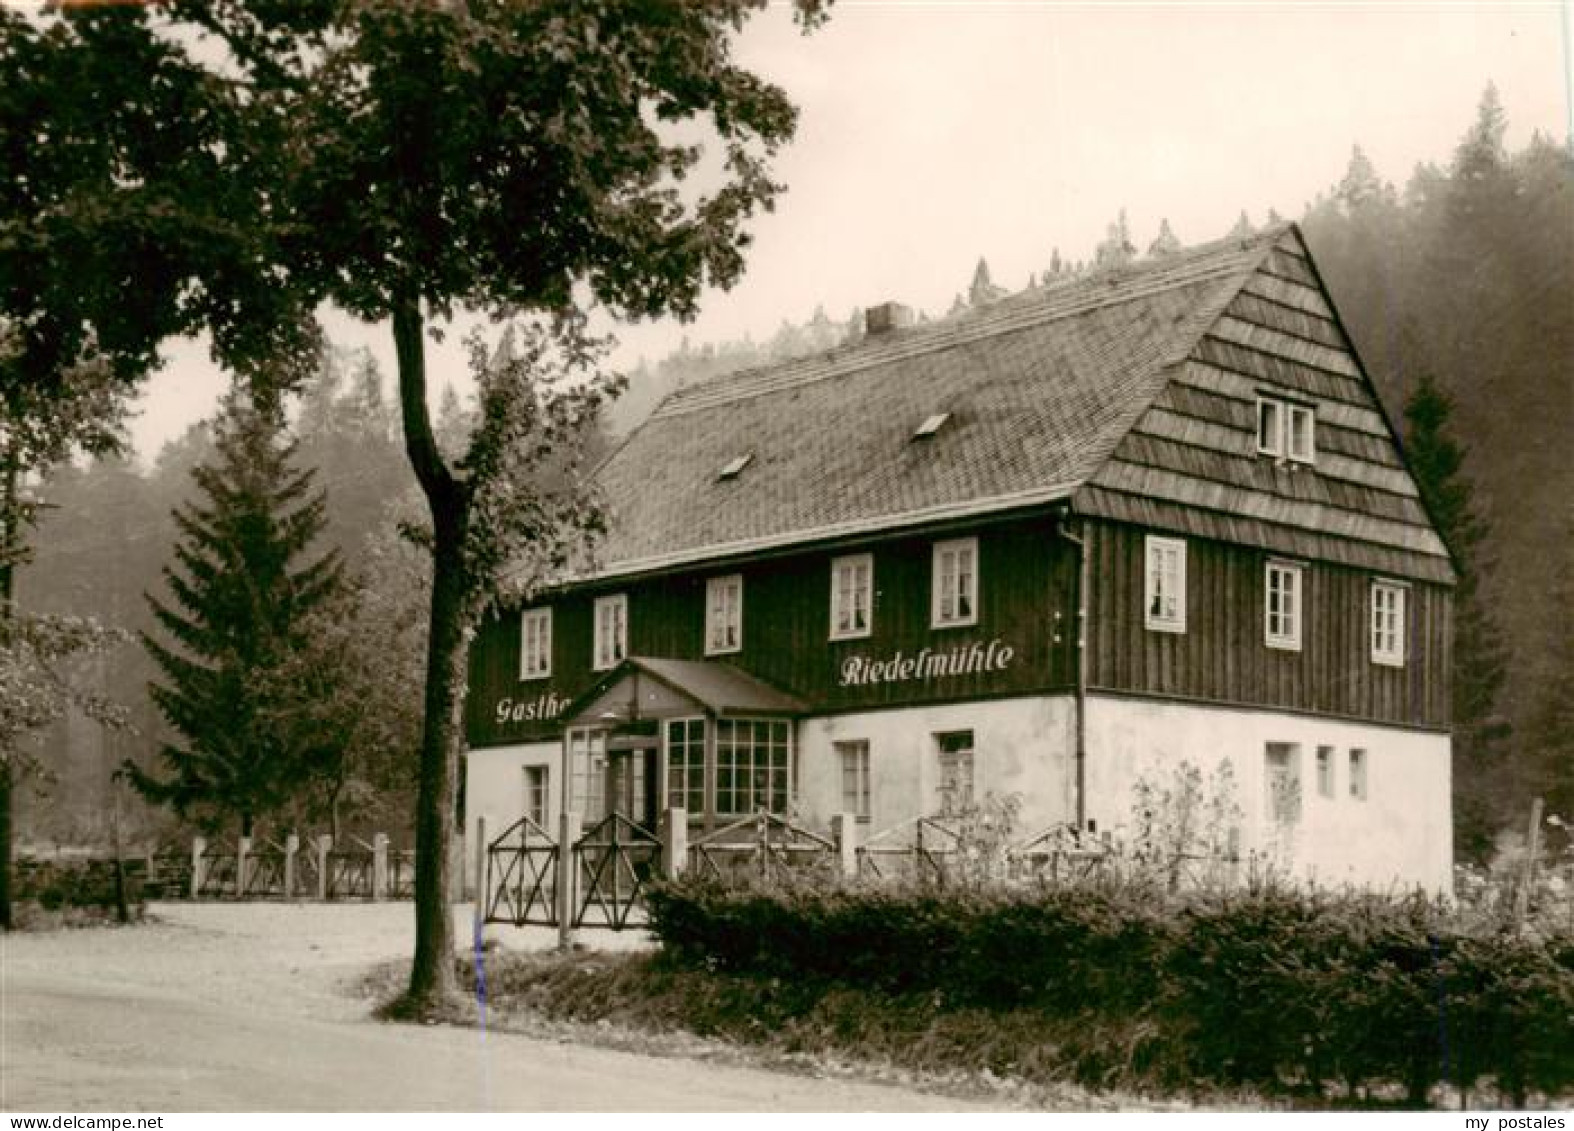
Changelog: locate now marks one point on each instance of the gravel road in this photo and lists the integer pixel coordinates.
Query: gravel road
(248, 1007)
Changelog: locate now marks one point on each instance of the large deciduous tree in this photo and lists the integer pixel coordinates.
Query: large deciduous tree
(508, 157)
(402, 159)
(125, 217)
(245, 671)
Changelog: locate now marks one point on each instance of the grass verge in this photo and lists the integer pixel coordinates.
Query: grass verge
(644, 1003)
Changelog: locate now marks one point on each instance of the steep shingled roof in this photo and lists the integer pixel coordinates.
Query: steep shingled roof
(1040, 388)
(1043, 392)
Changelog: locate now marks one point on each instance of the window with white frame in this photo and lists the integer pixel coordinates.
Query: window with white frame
(852, 596)
(956, 771)
(1286, 430)
(753, 766)
(536, 778)
(1358, 774)
(686, 764)
(1164, 584)
(535, 644)
(955, 584)
(1270, 427)
(1388, 623)
(1282, 608)
(587, 759)
(854, 757)
(723, 615)
(1282, 782)
(611, 617)
(1325, 771)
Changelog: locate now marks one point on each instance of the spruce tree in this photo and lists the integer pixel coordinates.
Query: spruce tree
(1480, 772)
(243, 623)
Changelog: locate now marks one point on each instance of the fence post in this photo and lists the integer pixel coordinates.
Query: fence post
(199, 846)
(292, 845)
(482, 895)
(242, 864)
(567, 833)
(324, 846)
(675, 849)
(844, 830)
(379, 865)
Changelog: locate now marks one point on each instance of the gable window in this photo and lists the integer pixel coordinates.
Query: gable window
(1286, 430)
(1282, 610)
(954, 598)
(1299, 430)
(854, 757)
(686, 764)
(1388, 623)
(536, 778)
(1358, 774)
(611, 615)
(535, 644)
(956, 771)
(723, 615)
(852, 592)
(1164, 584)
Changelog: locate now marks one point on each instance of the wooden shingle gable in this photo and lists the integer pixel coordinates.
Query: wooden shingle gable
(1191, 457)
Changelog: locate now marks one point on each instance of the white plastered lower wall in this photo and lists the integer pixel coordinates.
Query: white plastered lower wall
(1400, 835)
(1021, 746)
(495, 784)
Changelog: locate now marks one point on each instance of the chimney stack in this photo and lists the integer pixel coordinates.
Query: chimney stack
(887, 316)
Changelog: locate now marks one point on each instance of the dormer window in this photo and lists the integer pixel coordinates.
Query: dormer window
(1286, 430)
(735, 466)
(931, 425)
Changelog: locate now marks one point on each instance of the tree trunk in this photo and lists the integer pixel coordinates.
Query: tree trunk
(432, 972)
(8, 541)
(432, 981)
(5, 841)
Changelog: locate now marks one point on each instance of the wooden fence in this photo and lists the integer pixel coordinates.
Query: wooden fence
(314, 868)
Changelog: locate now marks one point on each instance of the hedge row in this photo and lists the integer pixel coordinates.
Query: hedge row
(85, 882)
(1276, 990)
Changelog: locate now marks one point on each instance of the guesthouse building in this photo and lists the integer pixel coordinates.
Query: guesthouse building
(1047, 548)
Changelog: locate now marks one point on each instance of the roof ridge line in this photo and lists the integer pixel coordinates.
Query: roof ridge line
(798, 372)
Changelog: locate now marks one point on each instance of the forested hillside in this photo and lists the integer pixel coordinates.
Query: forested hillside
(1465, 274)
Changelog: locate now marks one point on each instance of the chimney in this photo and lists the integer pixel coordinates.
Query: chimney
(887, 316)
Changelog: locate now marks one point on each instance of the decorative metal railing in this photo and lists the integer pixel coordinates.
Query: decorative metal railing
(616, 859)
(350, 872)
(764, 845)
(264, 873)
(923, 848)
(218, 874)
(521, 876)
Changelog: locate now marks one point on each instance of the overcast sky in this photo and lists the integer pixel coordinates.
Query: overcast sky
(933, 133)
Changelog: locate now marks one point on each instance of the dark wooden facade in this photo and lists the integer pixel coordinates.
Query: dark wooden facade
(1223, 657)
(1026, 603)
(1131, 401)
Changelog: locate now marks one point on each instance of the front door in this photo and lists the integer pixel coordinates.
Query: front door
(631, 785)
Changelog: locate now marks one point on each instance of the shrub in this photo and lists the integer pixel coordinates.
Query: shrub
(1276, 989)
(80, 883)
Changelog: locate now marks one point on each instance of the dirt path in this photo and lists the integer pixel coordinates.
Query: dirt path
(254, 1007)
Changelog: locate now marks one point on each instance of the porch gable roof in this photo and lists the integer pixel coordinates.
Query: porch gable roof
(707, 686)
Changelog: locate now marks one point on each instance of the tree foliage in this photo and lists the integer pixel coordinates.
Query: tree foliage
(1437, 461)
(1462, 280)
(404, 159)
(243, 669)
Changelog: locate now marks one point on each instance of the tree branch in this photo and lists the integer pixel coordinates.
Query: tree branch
(420, 443)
